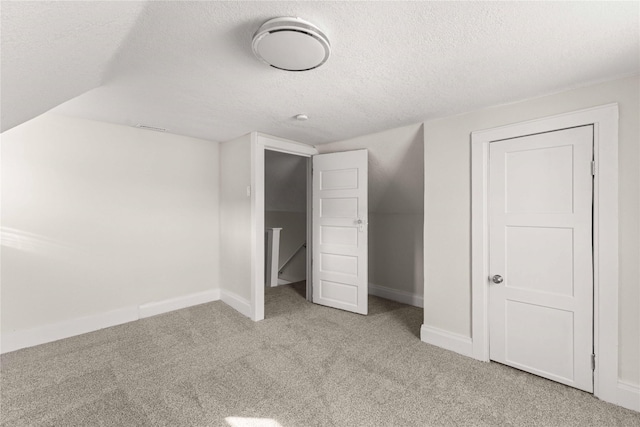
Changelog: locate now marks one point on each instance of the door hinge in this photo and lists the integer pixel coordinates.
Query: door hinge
(593, 362)
(593, 167)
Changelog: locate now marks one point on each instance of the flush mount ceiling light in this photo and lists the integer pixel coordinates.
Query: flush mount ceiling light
(291, 44)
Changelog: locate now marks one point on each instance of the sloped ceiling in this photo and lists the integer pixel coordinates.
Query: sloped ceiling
(188, 66)
(54, 51)
(396, 168)
(285, 184)
(395, 177)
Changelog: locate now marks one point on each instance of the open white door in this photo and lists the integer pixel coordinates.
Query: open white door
(340, 216)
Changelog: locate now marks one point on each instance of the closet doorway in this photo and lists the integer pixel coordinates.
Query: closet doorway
(286, 222)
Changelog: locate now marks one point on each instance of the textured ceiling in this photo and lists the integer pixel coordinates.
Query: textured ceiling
(54, 51)
(188, 66)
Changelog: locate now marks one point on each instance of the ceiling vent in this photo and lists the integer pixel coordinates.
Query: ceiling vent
(291, 44)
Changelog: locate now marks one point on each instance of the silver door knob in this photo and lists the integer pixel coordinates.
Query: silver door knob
(497, 279)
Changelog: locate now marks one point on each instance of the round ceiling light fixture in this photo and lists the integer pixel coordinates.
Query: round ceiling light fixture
(291, 44)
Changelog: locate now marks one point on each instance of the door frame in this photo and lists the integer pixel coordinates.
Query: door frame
(259, 143)
(605, 234)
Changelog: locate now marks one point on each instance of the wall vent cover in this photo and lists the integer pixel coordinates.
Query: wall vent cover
(291, 44)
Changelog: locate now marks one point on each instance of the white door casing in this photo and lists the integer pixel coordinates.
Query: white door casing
(340, 217)
(260, 143)
(540, 243)
(605, 236)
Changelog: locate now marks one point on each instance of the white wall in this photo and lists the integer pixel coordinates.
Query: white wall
(395, 206)
(97, 217)
(447, 287)
(235, 222)
(396, 255)
(285, 177)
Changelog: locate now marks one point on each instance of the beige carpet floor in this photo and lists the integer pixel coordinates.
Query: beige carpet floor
(304, 365)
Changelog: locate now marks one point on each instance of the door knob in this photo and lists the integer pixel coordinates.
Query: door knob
(497, 279)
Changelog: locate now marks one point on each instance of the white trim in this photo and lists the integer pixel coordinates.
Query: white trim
(283, 282)
(447, 340)
(628, 396)
(282, 145)
(236, 302)
(172, 304)
(294, 279)
(82, 325)
(605, 121)
(67, 328)
(260, 143)
(257, 229)
(309, 251)
(396, 295)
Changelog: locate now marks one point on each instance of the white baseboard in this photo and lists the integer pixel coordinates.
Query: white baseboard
(396, 295)
(290, 279)
(81, 325)
(159, 307)
(628, 396)
(236, 302)
(67, 328)
(447, 340)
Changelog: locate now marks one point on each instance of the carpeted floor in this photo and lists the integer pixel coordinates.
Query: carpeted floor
(305, 365)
